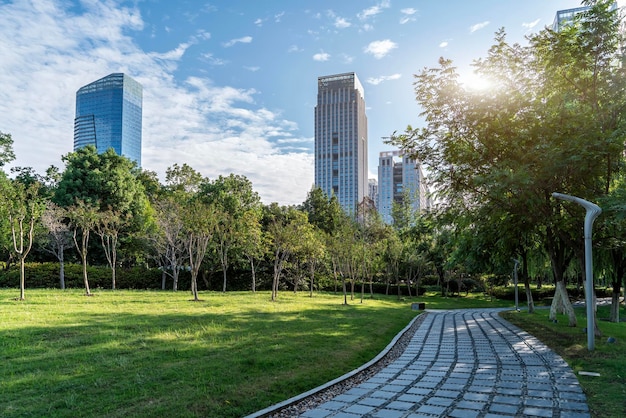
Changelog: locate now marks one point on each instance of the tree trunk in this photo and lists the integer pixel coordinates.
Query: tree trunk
(224, 286)
(175, 275)
(61, 269)
(312, 278)
(335, 273)
(85, 278)
(614, 306)
(251, 259)
(529, 293)
(113, 276)
(163, 278)
(194, 285)
(22, 280)
(562, 303)
(617, 288)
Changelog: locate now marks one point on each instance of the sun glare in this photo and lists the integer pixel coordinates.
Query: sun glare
(476, 82)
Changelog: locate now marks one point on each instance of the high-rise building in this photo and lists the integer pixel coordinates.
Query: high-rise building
(400, 177)
(373, 190)
(566, 16)
(108, 115)
(341, 139)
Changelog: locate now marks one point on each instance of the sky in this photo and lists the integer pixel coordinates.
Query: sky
(230, 86)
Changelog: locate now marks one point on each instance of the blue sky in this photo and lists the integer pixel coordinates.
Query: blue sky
(230, 85)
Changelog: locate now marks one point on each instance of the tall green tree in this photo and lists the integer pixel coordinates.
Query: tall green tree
(23, 206)
(107, 183)
(284, 227)
(232, 197)
(552, 122)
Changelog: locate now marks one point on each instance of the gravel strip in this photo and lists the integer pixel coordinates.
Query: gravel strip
(328, 393)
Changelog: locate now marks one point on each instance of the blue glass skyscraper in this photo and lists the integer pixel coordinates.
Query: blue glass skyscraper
(108, 115)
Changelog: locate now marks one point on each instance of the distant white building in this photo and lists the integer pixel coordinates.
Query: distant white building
(399, 177)
(373, 190)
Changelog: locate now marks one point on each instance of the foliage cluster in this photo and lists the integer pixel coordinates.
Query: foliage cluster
(553, 121)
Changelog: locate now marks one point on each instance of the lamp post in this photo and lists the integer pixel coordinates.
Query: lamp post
(593, 211)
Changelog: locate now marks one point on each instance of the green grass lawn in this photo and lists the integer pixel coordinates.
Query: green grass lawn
(147, 354)
(606, 394)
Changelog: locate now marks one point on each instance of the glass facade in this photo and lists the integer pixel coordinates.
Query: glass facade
(108, 115)
(341, 139)
(567, 16)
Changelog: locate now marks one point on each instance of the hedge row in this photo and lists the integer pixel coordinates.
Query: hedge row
(46, 275)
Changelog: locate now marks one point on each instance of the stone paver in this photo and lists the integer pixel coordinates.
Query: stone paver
(466, 363)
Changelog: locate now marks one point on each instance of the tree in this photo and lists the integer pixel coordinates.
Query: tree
(168, 237)
(323, 212)
(284, 228)
(108, 227)
(551, 123)
(107, 184)
(183, 178)
(199, 222)
(252, 243)
(23, 207)
(232, 196)
(83, 217)
(59, 237)
(6, 149)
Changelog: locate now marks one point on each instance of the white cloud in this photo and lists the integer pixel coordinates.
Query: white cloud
(258, 22)
(294, 48)
(213, 60)
(342, 23)
(377, 80)
(278, 17)
(252, 68)
(243, 40)
(530, 25)
(321, 56)
(346, 59)
(374, 10)
(48, 53)
(408, 15)
(443, 44)
(380, 48)
(479, 26)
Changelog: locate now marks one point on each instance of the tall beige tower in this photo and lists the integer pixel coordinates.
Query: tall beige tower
(341, 139)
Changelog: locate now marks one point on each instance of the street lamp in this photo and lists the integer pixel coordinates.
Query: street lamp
(593, 211)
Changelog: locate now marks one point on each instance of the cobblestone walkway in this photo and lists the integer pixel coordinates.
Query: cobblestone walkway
(466, 363)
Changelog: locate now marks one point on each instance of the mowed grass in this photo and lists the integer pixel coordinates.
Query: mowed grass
(606, 394)
(149, 354)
